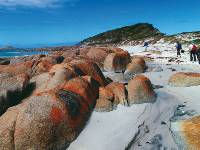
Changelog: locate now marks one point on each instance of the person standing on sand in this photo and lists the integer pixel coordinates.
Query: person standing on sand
(193, 52)
(146, 44)
(198, 54)
(178, 48)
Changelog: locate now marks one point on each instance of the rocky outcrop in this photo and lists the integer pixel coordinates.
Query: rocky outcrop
(12, 90)
(140, 90)
(185, 79)
(117, 62)
(49, 120)
(186, 133)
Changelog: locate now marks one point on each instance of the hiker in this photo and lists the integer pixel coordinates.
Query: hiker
(178, 48)
(193, 52)
(146, 44)
(198, 54)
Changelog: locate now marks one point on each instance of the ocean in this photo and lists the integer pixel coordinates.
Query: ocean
(18, 53)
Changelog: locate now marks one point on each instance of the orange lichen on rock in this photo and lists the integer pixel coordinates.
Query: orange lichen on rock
(191, 132)
(82, 87)
(103, 105)
(119, 91)
(117, 61)
(43, 66)
(185, 79)
(57, 115)
(139, 60)
(97, 54)
(106, 94)
(18, 68)
(86, 67)
(140, 90)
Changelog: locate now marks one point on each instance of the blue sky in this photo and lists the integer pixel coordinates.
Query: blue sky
(29, 22)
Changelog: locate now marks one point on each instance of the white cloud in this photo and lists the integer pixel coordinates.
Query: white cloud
(32, 3)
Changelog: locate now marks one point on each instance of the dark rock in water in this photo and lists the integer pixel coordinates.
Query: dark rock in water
(182, 113)
(163, 123)
(4, 61)
(173, 69)
(157, 86)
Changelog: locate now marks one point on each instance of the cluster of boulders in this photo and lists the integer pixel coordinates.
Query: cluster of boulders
(45, 101)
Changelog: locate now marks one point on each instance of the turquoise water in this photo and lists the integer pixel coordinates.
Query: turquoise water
(18, 53)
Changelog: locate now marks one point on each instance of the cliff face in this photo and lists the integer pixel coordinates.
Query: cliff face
(137, 32)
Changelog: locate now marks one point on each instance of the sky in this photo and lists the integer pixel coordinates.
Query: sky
(32, 22)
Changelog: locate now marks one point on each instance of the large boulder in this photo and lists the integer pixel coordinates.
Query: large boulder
(103, 105)
(105, 101)
(185, 79)
(85, 86)
(57, 76)
(139, 60)
(12, 90)
(120, 93)
(45, 64)
(97, 54)
(137, 66)
(4, 61)
(70, 54)
(116, 50)
(85, 67)
(117, 62)
(18, 68)
(7, 128)
(186, 133)
(140, 90)
(49, 120)
(26, 58)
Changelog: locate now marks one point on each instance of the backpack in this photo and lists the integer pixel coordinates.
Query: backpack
(194, 48)
(179, 46)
